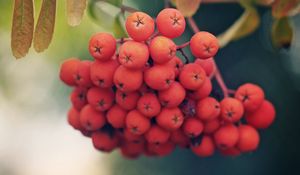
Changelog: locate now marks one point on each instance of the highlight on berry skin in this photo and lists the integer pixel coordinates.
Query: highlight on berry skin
(139, 96)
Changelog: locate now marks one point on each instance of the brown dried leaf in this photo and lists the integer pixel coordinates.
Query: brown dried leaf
(283, 8)
(282, 33)
(188, 7)
(45, 26)
(22, 27)
(75, 11)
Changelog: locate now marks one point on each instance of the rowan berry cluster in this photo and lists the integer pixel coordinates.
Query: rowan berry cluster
(137, 95)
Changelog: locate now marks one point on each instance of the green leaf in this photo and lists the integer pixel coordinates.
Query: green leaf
(244, 26)
(45, 26)
(188, 8)
(282, 33)
(103, 13)
(75, 11)
(22, 27)
(283, 8)
(119, 27)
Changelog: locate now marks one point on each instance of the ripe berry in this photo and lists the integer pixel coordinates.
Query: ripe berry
(208, 65)
(230, 152)
(157, 135)
(211, 126)
(82, 76)
(263, 117)
(192, 76)
(127, 100)
(203, 91)
(149, 105)
(176, 63)
(132, 150)
(133, 55)
(102, 46)
(159, 77)
(204, 45)
(130, 137)
(192, 127)
(100, 99)
(232, 109)
(139, 26)
(162, 49)
(226, 136)
(251, 95)
(205, 148)
(137, 123)
(161, 149)
(102, 73)
(68, 70)
(73, 119)
(91, 119)
(248, 138)
(179, 138)
(128, 80)
(170, 22)
(208, 109)
(78, 98)
(116, 116)
(170, 118)
(104, 141)
(173, 96)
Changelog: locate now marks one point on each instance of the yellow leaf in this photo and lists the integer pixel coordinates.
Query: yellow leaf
(75, 11)
(282, 32)
(188, 7)
(45, 26)
(22, 27)
(283, 8)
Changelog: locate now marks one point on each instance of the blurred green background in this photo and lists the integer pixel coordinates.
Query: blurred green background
(35, 138)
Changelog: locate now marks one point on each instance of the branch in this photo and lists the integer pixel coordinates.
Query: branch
(128, 9)
(183, 45)
(184, 55)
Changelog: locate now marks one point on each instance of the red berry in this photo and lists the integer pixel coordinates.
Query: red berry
(161, 149)
(139, 26)
(105, 142)
(159, 77)
(248, 138)
(102, 73)
(133, 55)
(263, 117)
(173, 96)
(91, 119)
(192, 127)
(226, 136)
(116, 116)
(137, 123)
(203, 91)
(162, 49)
(100, 99)
(179, 138)
(127, 100)
(74, 119)
(82, 76)
(102, 46)
(208, 109)
(128, 80)
(192, 76)
(149, 105)
(132, 150)
(230, 152)
(232, 109)
(157, 135)
(130, 137)
(204, 45)
(205, 148)
(78, 98)
(175, 63)
(68, 70)
(251, 95)
(208, 65)
(170, 22)
(170, 118)
(211, 126)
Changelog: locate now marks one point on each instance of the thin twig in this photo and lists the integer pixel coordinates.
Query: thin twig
(184, 55)
(128, 9)
(183, 45)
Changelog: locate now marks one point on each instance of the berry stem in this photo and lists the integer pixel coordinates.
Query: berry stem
(184, 55)
(217, 74)
(122, 40)
(183, 45)
(128, 9)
